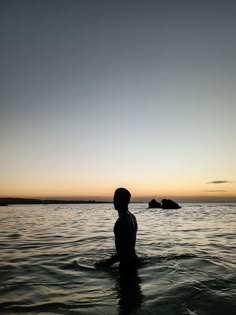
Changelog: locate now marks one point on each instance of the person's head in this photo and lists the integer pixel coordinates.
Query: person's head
(121, 199)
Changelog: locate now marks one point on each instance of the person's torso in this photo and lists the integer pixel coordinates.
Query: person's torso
(125, 236)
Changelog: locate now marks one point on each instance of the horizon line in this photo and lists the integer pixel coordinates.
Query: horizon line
(182, 199)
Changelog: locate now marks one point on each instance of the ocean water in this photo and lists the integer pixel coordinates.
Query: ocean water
(48, 255)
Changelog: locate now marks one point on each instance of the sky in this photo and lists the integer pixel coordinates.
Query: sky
(96, 95)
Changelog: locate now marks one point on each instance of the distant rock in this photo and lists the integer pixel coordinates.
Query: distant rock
(169, 204)
(154, 204)
(165, 204)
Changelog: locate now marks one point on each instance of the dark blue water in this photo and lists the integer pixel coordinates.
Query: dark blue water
(47, 257)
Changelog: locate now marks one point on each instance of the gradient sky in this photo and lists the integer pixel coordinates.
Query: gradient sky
(101, 94)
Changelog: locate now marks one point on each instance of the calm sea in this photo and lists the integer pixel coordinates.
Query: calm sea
(47, 257)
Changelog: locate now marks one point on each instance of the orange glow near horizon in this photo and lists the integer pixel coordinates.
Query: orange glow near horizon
(105, 192)
(77, 183)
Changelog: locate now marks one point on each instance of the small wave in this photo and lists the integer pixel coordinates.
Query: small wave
(43, 307)
(179, 256)
(14, 235)
(74, 265)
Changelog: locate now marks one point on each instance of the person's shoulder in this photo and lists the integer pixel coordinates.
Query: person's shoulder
(123, 218)
(132, 215)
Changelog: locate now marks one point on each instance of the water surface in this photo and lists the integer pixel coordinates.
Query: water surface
(48, 255)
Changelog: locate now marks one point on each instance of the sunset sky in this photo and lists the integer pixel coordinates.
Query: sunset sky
(95, 95)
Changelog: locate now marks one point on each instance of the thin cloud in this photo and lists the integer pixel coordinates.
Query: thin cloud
(214, 191)
(220, 182)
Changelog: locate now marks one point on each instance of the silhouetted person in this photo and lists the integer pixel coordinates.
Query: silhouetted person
(125, 230)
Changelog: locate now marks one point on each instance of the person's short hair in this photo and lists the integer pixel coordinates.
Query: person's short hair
(122, 196)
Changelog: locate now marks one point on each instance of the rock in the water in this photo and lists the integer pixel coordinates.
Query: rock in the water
(169, 204)
(154, 204)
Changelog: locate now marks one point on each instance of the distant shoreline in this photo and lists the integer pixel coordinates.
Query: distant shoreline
(27, 201)
(34, 201)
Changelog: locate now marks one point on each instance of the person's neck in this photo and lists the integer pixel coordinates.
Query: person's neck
(123, 211)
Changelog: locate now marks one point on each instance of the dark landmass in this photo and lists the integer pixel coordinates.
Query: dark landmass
(165, 204)
(26, 201)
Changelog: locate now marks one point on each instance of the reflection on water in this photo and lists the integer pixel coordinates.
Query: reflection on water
(129, 291)
(48, 255)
